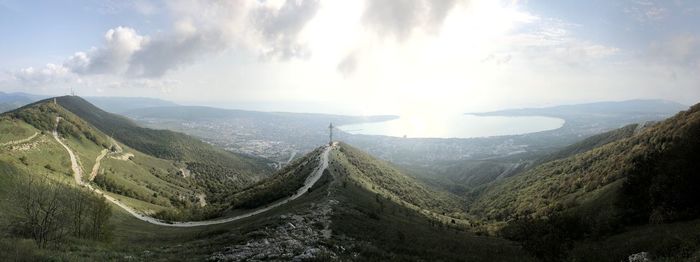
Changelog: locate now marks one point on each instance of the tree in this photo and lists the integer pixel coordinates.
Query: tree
(48, 212)
(41, 211)
(98, 216)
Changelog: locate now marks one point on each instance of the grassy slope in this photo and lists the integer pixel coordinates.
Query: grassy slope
(143, 172)
(150, 180)
(610, 196)
(569, 182)
(396, 232)
(381, 206)
(140, 241)
(219, 170)
(469, 178)
(283, 183)
(13, 130)
(384, 211)
(591, 143)
(382, 178)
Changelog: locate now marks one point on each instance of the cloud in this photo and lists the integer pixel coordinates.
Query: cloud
(398, 18)
(39, 76)
(498, 59)
(646, 11)
(348, 65)
(267, 28)
(280, 28)
(270, 29)
(113, 58)
(683, 50)
(170, 52)
(164, 85)
(552, 41)
(201, 28)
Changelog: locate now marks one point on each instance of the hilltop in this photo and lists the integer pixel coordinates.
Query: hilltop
(595, 169)
(225, 172)
(360, 209)
(159, 171)
(338, 202)
(364, 209)
(10, 101)
(629, 177)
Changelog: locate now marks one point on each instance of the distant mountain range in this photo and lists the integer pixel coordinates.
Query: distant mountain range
(363, 204)
(214, 172)
(603, 198)
(9, 101)
(651, 107)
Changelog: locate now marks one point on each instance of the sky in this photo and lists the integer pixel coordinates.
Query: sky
(365, 57)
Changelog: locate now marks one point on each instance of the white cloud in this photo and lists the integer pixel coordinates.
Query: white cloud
(551, 41)
(40, 76)
(646, 11)
(113, 58)
(279, 28)
(349, 64)
(678, 50)
(390, 56)
(399, 18)
(201, 28)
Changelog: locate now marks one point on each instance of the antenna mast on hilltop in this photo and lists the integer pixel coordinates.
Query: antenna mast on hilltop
(72, 92)
(330, 129)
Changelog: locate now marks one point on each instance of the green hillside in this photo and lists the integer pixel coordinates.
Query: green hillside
(592, 142)
(382, 178)
(626, 184)
(282, 183)
(148, 183)
(570, 181)
(643, 180)
(391, 216)
(221, 172)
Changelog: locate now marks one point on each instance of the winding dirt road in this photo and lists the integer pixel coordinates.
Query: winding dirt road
(96, 167)
(20, 141)
(78, 173)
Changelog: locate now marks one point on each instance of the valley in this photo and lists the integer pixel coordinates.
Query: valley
(337, 201)
(370, 130)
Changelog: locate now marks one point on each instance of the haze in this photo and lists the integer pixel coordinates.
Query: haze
(402, 57)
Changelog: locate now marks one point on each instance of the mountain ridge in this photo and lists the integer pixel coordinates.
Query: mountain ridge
(594, 169)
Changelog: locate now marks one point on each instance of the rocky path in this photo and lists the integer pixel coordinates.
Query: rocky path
(9, 143)
(96, 167)
(310, 181)
(78, 173)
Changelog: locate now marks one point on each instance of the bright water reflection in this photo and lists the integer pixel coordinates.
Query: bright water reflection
(455, 126)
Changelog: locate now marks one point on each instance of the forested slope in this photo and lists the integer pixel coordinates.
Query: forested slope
(220, 171)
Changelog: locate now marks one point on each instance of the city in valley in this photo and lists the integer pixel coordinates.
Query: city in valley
(370, 130)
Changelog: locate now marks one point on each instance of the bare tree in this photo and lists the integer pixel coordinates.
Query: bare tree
(48, 212)
(41, 211)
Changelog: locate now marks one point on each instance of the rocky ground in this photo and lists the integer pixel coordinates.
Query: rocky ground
(298, 237)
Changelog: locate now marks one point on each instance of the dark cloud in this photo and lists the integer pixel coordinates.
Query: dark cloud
(280, 28)
(348, 65)
(398, 18)
(276, 31)
(173, 51)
